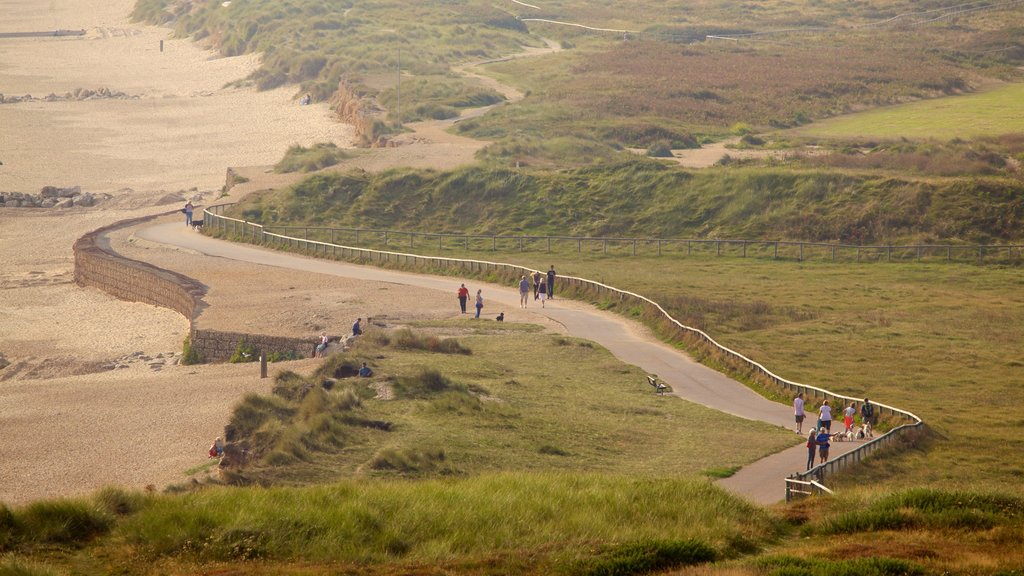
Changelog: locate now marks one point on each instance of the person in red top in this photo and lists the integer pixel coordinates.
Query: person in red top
(463, 296)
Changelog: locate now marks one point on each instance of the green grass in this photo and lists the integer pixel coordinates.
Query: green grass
(494, 409)
(989, 112)
(643, 199)
(517, 523)
(939, 340)
(302, 159)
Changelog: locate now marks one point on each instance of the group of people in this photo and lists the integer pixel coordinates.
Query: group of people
(820, 435)
(463, 295)
(357, 330)
(543, 287)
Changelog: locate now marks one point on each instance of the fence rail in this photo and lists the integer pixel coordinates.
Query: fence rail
(255, 233)
(774, 249)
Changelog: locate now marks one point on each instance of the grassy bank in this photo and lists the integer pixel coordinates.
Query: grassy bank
(516, 523)
(642, 198)
(514, 399)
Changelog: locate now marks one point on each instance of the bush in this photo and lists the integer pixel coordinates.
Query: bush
(120, 502)
(302, 159)
(244, 352)
(660, 149)
(65, 522)
(410, 460)
(646, 556)
(189, 355)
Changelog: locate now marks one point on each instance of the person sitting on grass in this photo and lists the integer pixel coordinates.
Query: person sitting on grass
(365, 371)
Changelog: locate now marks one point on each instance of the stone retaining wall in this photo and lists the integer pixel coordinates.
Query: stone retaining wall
(217, 346)
(136, 281)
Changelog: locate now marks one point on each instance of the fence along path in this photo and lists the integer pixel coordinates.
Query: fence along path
(698, 383)
(774, 249)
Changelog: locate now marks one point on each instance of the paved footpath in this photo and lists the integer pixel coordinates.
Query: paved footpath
(761, 482)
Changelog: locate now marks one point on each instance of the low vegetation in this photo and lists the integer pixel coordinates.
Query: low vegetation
(302, 159)
(439, 406)
(643, 198)
(553, 523)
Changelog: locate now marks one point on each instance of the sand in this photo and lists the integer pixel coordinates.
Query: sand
(181, 127)
(94, 395)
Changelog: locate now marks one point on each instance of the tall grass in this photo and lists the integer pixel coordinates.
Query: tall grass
(643, 199)
(440, 521)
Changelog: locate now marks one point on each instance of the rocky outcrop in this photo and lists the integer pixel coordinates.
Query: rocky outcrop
(356, 107)
(52, 197)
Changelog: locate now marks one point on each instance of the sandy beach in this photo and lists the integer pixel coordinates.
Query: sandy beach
(93, 395)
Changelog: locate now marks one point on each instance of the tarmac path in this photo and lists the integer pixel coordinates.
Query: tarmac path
(761, 482)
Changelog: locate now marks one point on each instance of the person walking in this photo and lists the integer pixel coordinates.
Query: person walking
(823, 444)
(867, 412)
(848, 416)
(825, 416)
(357, 328)
(551, 283)
(479, 302)
(463, 297)
(524, 291)
(536, 283)
(798, 412)
(812, 445)
(543, 292)
(189, 208)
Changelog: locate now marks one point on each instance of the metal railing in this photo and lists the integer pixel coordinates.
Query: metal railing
(773, 249)
(256, 233)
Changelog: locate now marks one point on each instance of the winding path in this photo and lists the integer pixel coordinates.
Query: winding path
(761, 482)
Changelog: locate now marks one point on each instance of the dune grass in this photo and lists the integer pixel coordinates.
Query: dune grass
(572, 524)
(482, 404)
(939, 340)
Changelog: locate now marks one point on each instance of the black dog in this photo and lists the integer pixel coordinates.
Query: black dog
(501, 317)
(197, 224)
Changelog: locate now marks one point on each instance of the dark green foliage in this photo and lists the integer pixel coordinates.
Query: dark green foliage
(927, 509)
(792, 566)
(244, 352)
(119, 501)
(62, 522)
(190, 355)
(406, 460)
(552, 450)
(660, 150)
(426, 383)
(644, 557)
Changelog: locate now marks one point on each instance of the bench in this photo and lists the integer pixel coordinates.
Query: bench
(659, 387)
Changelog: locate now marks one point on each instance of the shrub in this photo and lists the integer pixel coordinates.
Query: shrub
(646, 556)
(427, 383)
(120, 502)
(792, 566)
(552, 450)
(244, 352)
(407, 460)
(190, 355)
(302, 159)
(660, 149)
(66, 522)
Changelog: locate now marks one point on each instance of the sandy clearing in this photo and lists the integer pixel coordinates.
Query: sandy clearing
(181, 128)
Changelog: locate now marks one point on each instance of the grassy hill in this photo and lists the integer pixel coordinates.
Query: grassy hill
(640, 198)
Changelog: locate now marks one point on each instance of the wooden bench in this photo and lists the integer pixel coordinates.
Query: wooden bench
(659, 387)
